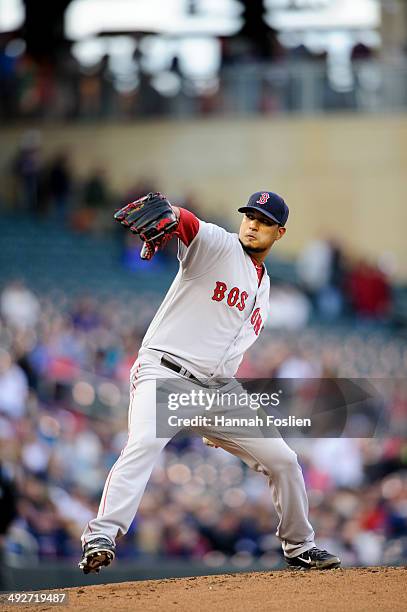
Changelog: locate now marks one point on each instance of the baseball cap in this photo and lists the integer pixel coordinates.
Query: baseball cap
(270, 204)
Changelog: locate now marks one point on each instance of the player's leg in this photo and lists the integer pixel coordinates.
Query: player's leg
(274, 458)
(127, 479)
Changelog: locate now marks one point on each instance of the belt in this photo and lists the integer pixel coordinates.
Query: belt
(175, 367)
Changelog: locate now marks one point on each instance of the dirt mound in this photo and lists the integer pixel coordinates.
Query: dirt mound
(375, 588)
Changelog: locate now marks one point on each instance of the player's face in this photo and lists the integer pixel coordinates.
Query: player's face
(258, 233)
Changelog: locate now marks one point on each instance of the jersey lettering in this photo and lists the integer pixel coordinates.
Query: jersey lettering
(243, 297)
(219, 291)
(233, 296)
(256, 321)
(219, 294)
(232, 300)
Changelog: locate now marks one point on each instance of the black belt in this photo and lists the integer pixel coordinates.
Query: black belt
(175, 367)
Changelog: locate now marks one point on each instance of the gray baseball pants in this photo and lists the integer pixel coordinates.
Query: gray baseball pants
(128, 477)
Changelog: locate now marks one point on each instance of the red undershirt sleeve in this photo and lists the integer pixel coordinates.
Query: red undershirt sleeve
(188, 226)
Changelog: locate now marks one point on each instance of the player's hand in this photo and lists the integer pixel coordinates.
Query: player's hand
(152, 218)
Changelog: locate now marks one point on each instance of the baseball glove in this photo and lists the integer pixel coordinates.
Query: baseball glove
(152, 218)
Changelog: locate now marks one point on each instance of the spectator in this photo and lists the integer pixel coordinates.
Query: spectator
(368, 291)
(320, 270)
(19, 306)
(289, 308)
(95, 190)
(60, 185)
(27, 172)
(13, 387)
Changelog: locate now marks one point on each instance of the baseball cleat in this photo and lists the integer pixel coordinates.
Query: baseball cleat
(315, 558)
(98, 553)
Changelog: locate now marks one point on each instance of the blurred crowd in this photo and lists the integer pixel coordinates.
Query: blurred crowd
(60, 87)
(50, 187)
(64, 368)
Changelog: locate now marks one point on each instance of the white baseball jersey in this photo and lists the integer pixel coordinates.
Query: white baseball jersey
(216, 305)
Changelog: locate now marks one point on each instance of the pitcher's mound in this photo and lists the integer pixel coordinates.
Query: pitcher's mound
(350, 590)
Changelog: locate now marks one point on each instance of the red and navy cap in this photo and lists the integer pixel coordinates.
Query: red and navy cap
(270, 204)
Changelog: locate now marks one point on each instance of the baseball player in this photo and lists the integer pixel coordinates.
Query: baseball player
(213, 312)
